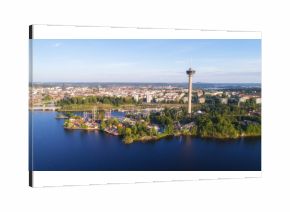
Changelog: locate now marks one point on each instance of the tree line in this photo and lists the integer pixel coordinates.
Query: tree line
(116, 101)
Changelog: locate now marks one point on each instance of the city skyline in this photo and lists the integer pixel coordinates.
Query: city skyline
(146, 61)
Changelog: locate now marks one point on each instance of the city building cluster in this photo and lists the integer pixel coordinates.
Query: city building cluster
(143, 94)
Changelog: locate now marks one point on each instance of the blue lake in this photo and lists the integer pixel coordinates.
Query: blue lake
(57, 149)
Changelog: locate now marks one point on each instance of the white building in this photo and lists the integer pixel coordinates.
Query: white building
(136, 97)
(148, 98)
(185, 99)
(224, 100)
(199, 93)
(201, 100)
(159, 99)
(258, 100)
(244, 99)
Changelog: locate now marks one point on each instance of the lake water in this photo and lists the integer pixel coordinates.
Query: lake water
(57, 149)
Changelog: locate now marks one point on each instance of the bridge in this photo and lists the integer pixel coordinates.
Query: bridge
(44, 108)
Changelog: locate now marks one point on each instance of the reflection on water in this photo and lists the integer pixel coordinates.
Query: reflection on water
(74, 150)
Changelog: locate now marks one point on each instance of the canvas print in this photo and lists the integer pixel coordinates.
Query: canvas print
(145, 105)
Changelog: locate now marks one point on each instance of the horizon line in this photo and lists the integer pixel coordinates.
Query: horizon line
(158, 82)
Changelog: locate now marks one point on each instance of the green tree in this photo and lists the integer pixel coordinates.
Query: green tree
(101, 115)
(153, 131)
(193, 130)
(106, 101)
(103, 125)
(134, 130)
(253, 129)
(128, 132)
(169, 128)
(115, 122)
(120, 130)
(47, 98)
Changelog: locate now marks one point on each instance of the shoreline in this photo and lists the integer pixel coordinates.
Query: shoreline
(156, 138)
(79, 128)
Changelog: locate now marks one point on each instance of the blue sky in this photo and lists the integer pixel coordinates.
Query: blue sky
(215, 61)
